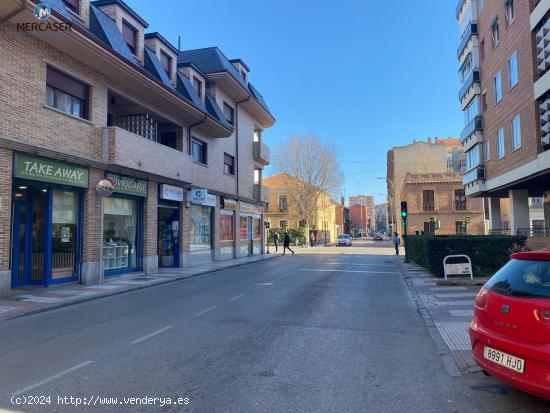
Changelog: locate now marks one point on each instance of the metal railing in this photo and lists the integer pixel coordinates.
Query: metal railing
(500, 232)
(536, 231)
(428, 206)
(460, 206)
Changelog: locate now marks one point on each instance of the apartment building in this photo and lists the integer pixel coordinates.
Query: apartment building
(437, 204)
(504, 96)
(361, 212)
(283, 210)
(342, 219)
(439, 155)
(118, 152)
(381, 217)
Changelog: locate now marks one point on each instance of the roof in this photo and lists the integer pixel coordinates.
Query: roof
(434, 177)
(212, 60)
(278, 181)
(157, 35)
(152, 65)
(241, 61)
(127, 9)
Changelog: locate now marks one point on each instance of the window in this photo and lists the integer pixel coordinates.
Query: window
(198, 151)
(67, 94)
(257, 176)
(228, 112)
(165, 62)
(129, 35)
(466, 68)
(510, 13)
(473, 157)
(201, 227)
(484, 101)
(501, 150)
(243, 74)
(197, 84)
(497, 86)
(472, 110)
(72, 5)
(513, 70)
(283, 203)
(257, 135)
(120, 229)
(495, 33)
(460, 200)
(516, 133)
(522, 278)
(228, 164)
(428, 200)
(283, 223)
(487, 151)
(227, 223)
(482, 50)
(481, 5)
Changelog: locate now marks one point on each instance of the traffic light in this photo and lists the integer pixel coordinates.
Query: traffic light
(267, 224)
(468, 219)
(404, 210)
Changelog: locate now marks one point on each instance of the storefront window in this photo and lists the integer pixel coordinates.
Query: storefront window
(120, 233)
(257, 228)
(226, 227)
(201, 228)
(64, 241)
(244, 228)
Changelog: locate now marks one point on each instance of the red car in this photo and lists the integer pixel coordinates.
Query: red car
(510, 332)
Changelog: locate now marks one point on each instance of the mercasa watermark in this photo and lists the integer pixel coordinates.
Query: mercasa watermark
(42, 12)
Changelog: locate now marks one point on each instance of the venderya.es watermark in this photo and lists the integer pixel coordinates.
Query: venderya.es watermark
(42, 13)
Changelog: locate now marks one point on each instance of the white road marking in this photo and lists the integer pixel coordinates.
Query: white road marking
(285, 275)
(361, 265)
(52, 378)
(448, 288)
(262, 285)
(154, 333)
(366, 272)
(456, 295)
(205, 311)
(236, 297)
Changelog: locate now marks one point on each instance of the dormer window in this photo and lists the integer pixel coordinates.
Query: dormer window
(243, 74)
(165, 62)
(72, 5)
(129, 33)
(197, 84)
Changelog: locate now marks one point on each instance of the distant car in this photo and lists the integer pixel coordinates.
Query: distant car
(344, 240)
(510, 332)
(378, 237)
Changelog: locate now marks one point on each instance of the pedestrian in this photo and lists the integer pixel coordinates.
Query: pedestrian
(276, 241)
(286, 244)
(312, 240)
(396, 242)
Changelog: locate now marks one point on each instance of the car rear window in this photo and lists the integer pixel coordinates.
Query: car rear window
(343, 236)
(522, 278)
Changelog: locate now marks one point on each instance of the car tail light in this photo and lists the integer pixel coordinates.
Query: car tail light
(481, 299)
(543, 315)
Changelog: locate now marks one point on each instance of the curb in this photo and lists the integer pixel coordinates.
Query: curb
(131, 289)
(442, 349)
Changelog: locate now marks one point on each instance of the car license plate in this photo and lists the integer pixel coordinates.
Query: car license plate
(504, 359)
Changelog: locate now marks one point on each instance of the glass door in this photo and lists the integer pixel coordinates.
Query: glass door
(64, 234)
(168, 242)
(250, 237)
(21, 242)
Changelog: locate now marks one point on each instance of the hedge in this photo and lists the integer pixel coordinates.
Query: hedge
(488, 253)
(297, 235)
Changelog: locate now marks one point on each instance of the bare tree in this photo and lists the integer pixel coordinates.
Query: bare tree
(312, 169)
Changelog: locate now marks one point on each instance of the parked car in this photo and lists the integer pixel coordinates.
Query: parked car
(378, 237)
(510, 332)
(344, 240)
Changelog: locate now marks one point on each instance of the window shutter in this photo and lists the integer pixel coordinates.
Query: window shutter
(66, 84)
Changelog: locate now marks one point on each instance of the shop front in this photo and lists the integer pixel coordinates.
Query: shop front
(123, 225)
(46, 220)
(201, 233)
(250, 229)
(228, 208)
(170, 199)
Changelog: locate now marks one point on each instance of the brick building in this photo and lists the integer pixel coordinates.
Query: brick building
(120, 153)
(342, 219)
(420, 157)
(283, 210)
(504, 96)
(440, 197)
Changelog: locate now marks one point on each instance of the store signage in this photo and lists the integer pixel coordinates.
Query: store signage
(230, 204)
(105, 187)
(128, 185)
(251, 208)
(171, 193)
(198, 196)
(45, 170)
(210, 200)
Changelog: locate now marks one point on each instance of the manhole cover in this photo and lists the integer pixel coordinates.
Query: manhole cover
(492, 388)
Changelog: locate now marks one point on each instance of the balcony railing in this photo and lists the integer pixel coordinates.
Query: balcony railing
(476, 124)
(470, 31)
(500, 232)
(261, 153)
(536, 231)
(473, 78)
(460, 206)
(428, 206)
(476, 174)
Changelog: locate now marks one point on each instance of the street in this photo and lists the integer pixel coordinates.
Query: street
(327, 330)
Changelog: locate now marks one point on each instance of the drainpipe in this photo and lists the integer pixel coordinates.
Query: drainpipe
(22, 7)
(189, 132)
(237, 138)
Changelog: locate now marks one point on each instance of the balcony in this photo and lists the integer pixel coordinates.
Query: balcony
(469, 82)
(133, 151)
(428, 207)
(476, 174)
(261, 193)
(470, 31)
(475, 125)
(261, 153)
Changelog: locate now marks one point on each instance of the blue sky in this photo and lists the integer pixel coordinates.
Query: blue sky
(364, 75)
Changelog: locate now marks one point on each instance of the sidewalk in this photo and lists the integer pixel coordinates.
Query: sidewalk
(32, 299)
(447, 312)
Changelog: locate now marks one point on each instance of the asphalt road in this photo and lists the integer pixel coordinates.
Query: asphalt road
(328, 330)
